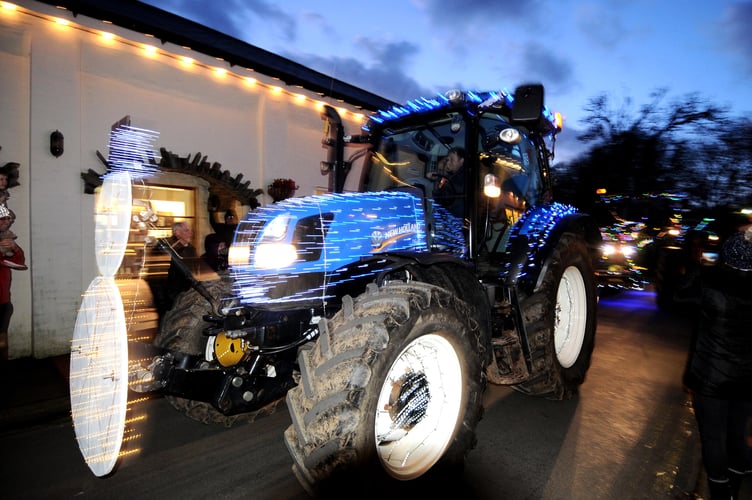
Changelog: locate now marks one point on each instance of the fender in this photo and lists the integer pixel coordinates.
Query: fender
(533, 239)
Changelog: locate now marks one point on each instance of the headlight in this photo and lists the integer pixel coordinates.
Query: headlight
(239, 255)
(608, 249)
(274, 255)
(628, 251)
(274, 250)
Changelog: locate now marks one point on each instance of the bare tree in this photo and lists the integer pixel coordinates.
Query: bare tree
(686, 144)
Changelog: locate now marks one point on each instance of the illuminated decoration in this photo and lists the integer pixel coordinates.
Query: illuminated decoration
(357, 228)
(133, 150)
(484, 99)
(99, 375)
(535, 226)
(448, 232)
(99, 350)
(112, 222)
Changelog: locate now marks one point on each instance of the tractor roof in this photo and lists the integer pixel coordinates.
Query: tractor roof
(499, 101)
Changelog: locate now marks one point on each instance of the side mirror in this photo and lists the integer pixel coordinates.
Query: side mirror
(528, 103)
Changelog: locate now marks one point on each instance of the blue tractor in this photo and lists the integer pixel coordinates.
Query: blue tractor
(382, 314)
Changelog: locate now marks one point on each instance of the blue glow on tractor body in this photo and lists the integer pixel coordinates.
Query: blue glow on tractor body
(300, 249)
(534, 228)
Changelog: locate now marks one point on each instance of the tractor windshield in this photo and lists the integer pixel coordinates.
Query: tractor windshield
(509, 154)
(414, 156)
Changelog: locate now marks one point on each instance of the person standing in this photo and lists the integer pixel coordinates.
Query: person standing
(719, 368)
(215, 252)
(226, 229)
(182, 243)
(12, 257)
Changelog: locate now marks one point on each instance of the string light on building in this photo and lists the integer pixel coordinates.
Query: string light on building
(186, 62)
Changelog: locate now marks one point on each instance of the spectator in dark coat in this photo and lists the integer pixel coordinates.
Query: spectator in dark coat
(719, 369)
(226, 230)
(215, 254)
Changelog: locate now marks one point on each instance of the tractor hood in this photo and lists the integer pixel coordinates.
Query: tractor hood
(297, 251)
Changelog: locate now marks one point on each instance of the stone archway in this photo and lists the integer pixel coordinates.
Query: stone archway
(222, 185)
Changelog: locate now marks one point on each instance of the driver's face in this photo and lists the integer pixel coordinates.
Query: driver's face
(453, 163)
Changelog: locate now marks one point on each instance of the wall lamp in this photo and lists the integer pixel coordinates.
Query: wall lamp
(57, 143)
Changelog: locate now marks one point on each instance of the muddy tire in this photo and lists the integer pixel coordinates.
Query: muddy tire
(560, 320)
(391, 389)
(182, 330)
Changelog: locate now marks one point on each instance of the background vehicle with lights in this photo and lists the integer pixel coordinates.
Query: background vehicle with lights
(383, 313)
(678, 257)
(632, 227)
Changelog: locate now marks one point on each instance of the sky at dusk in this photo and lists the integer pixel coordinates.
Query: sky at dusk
(403, 49)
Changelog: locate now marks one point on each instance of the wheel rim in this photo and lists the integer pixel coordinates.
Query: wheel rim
(418, 407)
(571, 317)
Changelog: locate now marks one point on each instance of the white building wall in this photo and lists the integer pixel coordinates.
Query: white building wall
(71, 79)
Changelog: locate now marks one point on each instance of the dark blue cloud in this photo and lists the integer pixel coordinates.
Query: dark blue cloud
(237, 18)
(735, 26)
(385, 68)
(459, 12)
(542, 64)
(385, 76)
(601, 27)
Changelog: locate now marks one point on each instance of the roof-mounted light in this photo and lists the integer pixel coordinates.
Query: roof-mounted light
(455, 96)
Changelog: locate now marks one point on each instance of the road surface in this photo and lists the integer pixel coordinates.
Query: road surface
(630, 434)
